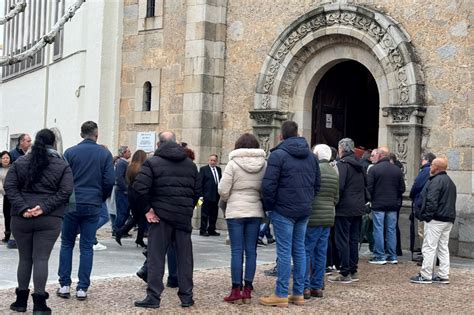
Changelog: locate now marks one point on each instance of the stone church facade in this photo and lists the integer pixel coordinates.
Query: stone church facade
(395, 73)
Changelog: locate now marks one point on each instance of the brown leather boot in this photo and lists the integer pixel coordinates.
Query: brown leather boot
(317, 293)
(296, 299)
(235, 296)
(274, 300)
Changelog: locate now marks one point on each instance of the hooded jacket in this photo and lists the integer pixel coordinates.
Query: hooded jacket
(351, 187)
(292, 179)
(167, 182)
(439, 199)
(241, 183)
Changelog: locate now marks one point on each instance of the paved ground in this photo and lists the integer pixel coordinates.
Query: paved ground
(114, 288)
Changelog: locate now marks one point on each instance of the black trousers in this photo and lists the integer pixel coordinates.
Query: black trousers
(332, 257)
(35, 239)
(160, 237)
(7, 216)
(209, 212)
(347, 242)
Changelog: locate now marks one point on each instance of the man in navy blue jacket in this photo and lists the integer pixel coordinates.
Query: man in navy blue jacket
(420, 181)
(291, 182)
(93, 173)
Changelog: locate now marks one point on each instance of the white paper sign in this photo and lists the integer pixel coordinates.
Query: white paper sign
(328, 120)
(146, 141)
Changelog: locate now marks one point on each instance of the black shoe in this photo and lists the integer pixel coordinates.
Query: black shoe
(40, 307)
(148, 303)
(140, 243)
(21, 302)
(118, 238)
(187, 304)
(142, 274)
(171, 285)
(214, 233)
(203, 233)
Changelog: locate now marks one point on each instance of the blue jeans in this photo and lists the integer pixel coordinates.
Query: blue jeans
(243, 234)
(385, 221)
(123, 209)
(290, 234)
(85, 219)
(316, 246)
(103, 218)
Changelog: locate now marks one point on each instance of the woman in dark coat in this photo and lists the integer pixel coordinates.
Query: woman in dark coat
(38, 186)
(138, 215)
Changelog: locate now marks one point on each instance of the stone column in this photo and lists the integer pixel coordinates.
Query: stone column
(204, 76)
(404, 137)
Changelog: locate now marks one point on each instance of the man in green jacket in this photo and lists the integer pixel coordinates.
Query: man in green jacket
(319, 224)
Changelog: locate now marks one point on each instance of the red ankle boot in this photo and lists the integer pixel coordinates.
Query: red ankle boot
(247, 295)
(235, 297)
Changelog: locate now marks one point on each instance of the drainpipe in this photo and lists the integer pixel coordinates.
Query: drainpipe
(46, 83)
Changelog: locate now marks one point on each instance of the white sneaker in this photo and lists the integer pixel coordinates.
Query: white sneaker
(64, 292)
(81, 295)
(99, 246)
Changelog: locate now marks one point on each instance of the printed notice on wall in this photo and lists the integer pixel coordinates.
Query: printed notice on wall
(146, 141)
(328, 120)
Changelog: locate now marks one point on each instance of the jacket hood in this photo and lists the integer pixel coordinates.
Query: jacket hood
(295, 146)
(250, 160)
(171, 151)
(352, 161)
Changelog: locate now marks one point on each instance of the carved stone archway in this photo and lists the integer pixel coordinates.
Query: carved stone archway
(330, 34)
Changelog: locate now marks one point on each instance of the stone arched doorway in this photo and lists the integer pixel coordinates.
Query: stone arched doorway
(330, 35)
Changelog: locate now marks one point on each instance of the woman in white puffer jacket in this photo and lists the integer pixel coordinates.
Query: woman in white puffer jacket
(240, 187)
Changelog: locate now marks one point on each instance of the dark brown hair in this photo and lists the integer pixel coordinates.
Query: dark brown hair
(289, 129)
(189, 153)
(247, 141)
(138, 158)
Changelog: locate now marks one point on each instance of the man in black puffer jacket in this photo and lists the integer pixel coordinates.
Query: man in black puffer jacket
(385, 184)
(349, 211)
(438, 211)
(167, 185)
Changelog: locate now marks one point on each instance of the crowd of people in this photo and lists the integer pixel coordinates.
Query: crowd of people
(315, 199)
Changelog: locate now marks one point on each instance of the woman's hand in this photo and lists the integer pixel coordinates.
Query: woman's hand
(33, 212)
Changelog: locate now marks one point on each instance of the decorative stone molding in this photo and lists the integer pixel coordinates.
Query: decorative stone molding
(401, 148)
(381, 34)
(266, 117)
(405, 114)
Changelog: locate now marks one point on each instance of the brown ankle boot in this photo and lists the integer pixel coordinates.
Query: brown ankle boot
(247, 295)
(235, 296)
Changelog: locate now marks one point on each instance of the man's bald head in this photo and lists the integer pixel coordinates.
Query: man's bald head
(383, 152)
(438, 165)
(166, 136)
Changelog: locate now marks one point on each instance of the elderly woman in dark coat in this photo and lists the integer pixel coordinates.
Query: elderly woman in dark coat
(38, 186)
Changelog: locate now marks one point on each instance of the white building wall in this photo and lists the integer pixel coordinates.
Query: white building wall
(82, 85)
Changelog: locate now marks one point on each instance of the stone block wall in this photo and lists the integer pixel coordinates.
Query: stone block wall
(153, 50)
(210, 54)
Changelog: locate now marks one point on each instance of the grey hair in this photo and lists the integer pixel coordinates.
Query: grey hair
(346, 145)
(122, 150)
(166, 136)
